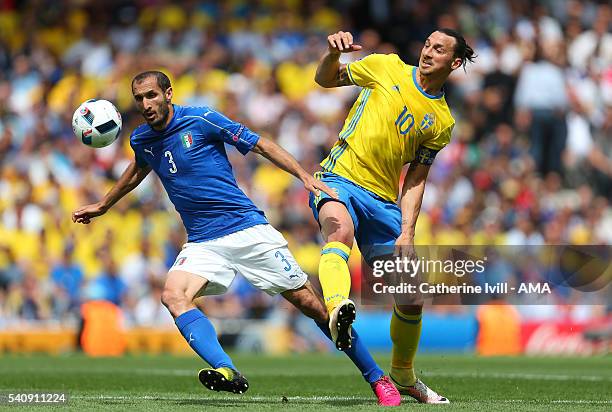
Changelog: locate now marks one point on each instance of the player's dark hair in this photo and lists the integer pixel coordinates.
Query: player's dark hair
(162, 80)
(462, 49)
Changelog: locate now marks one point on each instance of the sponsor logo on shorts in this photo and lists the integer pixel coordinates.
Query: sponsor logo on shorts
(180, 261)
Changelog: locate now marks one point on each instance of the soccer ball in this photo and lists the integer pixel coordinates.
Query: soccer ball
(96, 123)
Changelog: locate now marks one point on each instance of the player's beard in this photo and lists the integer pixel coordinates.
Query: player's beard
(164, 111)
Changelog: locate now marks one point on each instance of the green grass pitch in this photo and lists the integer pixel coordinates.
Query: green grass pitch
(313, 382)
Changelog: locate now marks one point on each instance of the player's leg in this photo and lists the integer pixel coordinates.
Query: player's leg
(180, 290)
(267, 264)
(337, 220)
(310, 303)
(182, 286)
(405, 334)
(375, 238)
(405, 330)
(338, 233)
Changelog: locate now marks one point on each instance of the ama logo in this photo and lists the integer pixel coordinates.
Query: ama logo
(428, 121)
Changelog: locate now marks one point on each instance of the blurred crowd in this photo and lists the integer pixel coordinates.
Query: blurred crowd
(530, 161)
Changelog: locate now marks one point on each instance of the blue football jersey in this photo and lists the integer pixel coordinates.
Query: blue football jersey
(190, 159)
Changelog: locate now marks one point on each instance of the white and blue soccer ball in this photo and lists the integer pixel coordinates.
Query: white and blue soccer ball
(97, 123)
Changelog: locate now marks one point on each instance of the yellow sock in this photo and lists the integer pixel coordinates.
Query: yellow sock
(334, 273)
(405, 334)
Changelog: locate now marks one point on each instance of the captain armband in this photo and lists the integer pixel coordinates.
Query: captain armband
(425, 155)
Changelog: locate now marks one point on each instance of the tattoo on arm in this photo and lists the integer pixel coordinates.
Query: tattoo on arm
(343, 77)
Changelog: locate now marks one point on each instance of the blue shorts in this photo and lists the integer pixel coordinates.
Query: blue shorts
(377, 221)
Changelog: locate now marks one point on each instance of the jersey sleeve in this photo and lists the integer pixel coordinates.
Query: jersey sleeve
(425, 156)
(219, 127)
(441, 140)
(140, 162)
(370, 70)
(426, 153)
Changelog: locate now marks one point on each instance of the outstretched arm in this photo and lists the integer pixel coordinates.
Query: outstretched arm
(281, 158)
(330, 73)
(131, 177)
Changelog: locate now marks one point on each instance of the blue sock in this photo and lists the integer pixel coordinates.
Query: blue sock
(360, 356)
(201, 336)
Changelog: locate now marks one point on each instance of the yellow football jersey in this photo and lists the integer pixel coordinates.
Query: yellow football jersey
(393, 122)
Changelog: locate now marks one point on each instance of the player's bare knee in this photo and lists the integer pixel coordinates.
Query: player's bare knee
(338, 231)
(168, 298)
(175, 300)
(336, 223)
(342, 235)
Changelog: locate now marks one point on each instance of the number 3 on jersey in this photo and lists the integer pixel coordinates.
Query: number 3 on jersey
(172, 167)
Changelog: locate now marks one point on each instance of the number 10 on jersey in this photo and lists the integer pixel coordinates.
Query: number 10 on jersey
(404, 121)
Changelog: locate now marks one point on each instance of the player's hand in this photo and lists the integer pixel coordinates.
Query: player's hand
(316, 186)
(86, 213)
(341, 42)
(404, 247)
